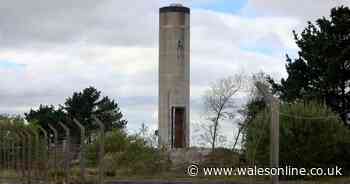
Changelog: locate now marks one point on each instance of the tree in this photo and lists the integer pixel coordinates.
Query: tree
(311, 136)
(16, 119)
(44, 115)
(255, 104)
(81, 106)
(88, 103)
(11, 132)
(219, 104)
(205, 137)
(322, 70)
(148, 135)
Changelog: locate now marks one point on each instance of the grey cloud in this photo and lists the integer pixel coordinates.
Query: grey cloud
(42, 23)
(53, 73)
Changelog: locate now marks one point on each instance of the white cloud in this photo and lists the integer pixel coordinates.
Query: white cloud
(112, 45)
(307, 10)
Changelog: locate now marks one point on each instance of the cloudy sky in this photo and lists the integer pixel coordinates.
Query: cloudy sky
(48, 49)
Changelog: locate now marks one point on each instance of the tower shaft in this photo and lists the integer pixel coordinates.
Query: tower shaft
(174, 76)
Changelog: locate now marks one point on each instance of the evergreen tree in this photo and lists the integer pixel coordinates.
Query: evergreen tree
(88, 103)
(81, 106)
(322, 70)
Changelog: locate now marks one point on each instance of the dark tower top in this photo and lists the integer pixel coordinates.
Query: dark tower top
(174, 8)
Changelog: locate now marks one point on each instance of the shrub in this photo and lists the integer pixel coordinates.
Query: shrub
(125, 155)
(114, 141)
(305, 140)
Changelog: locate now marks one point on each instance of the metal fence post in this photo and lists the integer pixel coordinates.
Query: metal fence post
(35, 151)
(1, 148)
(66, 150)
(6, 152)
(13, 150)
(82, 149)
(28, 156)
(274, 127)
(101, 150)
(274, 157)
(45, 153)
(55, 133)
(23, 154)
(18, 155)
(8, 148)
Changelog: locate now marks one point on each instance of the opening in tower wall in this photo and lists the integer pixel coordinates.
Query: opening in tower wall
(178, 127)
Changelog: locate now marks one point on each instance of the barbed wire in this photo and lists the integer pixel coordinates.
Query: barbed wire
(268, 96)
(308, 118)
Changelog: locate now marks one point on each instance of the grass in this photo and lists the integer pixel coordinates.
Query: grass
(92, 175)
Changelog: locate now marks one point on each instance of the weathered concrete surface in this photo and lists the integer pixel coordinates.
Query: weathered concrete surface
(179, 157)
(174, 71)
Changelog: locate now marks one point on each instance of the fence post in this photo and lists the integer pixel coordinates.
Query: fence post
(16, 146)
(82, 149)
(23, 155)
(28, 160)
(66, 150)
(46, 152)
(6, 152)
(13, 150)
(4, 148)
(274, 128)
(274, 157)
(1, 148)
(101, 149)
(55, 134)
(36, 148)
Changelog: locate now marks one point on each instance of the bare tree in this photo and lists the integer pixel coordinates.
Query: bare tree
(148, 135)
(238, 135)
(205, 137)
(254, 103)
(144, 130)
(219, 104)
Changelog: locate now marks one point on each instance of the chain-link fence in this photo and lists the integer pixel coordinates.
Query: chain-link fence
(32, 154)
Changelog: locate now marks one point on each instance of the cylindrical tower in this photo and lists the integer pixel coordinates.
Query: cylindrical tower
(174, 76)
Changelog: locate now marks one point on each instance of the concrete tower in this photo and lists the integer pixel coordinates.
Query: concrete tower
(174, 76)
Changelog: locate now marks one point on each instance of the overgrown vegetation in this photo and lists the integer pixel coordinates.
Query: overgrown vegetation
(322, 70)
(127, 155)
(314, 101)
(82, 106)
(311, 136)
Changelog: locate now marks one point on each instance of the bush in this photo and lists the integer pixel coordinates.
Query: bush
(114, 142)
(304, 142)
(125, 155)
